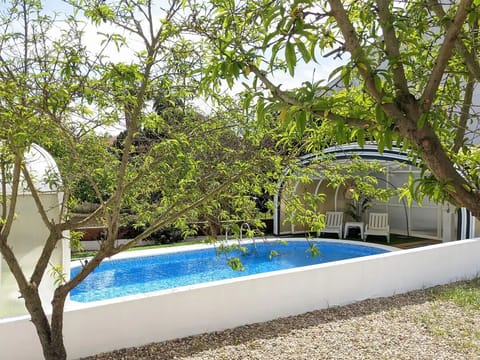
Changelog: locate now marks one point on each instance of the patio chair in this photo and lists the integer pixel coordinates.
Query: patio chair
(333, 223)
(377, 225)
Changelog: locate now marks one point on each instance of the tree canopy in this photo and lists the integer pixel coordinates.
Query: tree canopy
(65, 79)
(409, 77)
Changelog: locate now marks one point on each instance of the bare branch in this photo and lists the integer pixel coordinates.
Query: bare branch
(38, 202)
(107, 251)
(54, 236)
(13, 264)
(44, 258)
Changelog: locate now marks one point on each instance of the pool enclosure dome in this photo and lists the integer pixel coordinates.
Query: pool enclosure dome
(425, 220)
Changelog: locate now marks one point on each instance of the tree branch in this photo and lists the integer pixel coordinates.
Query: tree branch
(360, 59)
(469, 57)
(353, 46)
(5, 250)
(134, 115)
(275, 90)
(54, 236)
(291, 100)
(392, 47)
(38, 203)
(7, 226)
(175, 215)
(161, 221)
(45, 256)
(3, 165)
(13, 265)
(464, 115)
(444, 55)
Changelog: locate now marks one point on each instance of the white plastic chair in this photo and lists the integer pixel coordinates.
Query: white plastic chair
(333, 223)
(377, 225)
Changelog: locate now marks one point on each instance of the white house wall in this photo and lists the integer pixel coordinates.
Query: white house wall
(27, 239)
(472, 132)
(29, 232)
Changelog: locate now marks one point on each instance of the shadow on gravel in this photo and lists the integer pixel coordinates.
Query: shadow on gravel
(189, 346)
(192, 345)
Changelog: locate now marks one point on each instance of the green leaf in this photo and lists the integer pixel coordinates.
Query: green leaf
(346, 75)
(360, 137)
(268, 38)
(272, 254)
(301, 122)
(380, 144)
(313, 250)
(290, 57)
(313, 45)
(335, 71)
(260, 110)
(283, 115)
(380, 114)
(59, 277)
(275, 49)
(303, 50)
(388, 139)
(421, 121)
(236, 264)
(378, 84)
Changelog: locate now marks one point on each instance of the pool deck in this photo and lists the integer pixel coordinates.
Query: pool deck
(411, 245)
(405, 245)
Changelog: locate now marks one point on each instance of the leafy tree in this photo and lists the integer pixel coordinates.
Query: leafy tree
(58, 91)
(409, 76)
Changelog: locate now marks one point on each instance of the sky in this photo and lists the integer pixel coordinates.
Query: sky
(303, 72)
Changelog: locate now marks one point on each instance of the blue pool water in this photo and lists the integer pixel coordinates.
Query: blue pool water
(129, 276)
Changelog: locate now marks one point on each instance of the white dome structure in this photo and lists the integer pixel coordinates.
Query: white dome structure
(42, 168)
(29, 232)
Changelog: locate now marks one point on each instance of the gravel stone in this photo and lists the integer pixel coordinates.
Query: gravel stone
(417, 325)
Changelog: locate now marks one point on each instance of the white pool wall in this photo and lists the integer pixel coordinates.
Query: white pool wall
(113, 324)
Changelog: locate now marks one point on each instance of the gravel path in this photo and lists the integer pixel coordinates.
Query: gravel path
(423, 324)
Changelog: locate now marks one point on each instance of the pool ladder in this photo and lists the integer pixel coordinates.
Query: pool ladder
(247, 226)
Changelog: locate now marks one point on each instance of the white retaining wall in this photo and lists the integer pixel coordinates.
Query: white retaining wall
(225, 304)
(94, 245)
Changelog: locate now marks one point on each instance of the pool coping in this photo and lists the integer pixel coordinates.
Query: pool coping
(200, 246)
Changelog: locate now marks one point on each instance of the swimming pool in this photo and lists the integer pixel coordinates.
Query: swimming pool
(143, 274)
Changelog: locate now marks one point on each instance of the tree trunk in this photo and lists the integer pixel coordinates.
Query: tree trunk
(50, 335)
(58, 305)
(54, 351)
(430, 148)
